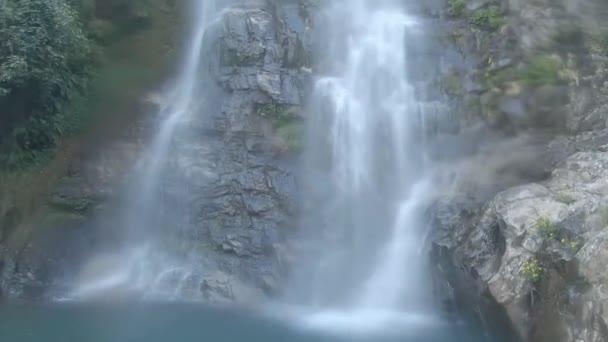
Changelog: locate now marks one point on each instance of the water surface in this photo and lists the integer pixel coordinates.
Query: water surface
(176, 322)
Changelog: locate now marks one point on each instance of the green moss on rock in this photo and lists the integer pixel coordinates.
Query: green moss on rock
(290, 134)
(598, 43)
(287, 125)
(456, 7)
(453, 83)
(536, 71)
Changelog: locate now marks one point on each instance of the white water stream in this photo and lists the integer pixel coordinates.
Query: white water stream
(142, 268)
(371, 270)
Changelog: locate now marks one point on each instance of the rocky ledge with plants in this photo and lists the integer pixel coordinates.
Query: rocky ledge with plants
(533, 238)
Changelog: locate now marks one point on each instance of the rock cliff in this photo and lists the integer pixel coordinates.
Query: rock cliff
(534, 247)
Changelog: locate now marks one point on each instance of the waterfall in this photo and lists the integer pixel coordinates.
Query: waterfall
(140, 266)
(368, 177)
(365, 164)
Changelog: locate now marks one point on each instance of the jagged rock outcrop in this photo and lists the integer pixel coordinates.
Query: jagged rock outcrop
(538, 247)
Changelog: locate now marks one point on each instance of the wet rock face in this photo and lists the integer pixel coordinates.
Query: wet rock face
(540, 249)
(237, 168)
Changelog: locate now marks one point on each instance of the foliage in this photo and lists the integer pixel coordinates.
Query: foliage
(290, 134)
(536, 71)
(532, 270)
(542, 69)
(488, 18)
(456, 7)
(545, 226)
(44, 59)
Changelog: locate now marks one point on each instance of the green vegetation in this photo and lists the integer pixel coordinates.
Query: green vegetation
(489, 18)
(535, 71)
(532, 270)
(290, 135)
(287, 125)
(543, 69)
(599, 43)
(44, 62)
(565, 198)
(545, 226)
(67, 76)
(571, 244)
(456, 7)
(55, 80)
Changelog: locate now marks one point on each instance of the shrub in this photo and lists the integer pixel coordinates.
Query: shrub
(44, 59)
(536, 71)
(542, 69)
(487, 18)
(531, 270)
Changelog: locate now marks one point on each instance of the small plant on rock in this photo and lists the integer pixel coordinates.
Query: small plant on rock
(532, 270)
(571, 244)
(545, 226)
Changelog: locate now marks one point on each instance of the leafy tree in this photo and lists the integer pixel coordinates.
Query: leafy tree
(44, 55)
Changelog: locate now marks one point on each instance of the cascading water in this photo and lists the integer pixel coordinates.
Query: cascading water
(142, 267)
(366, 140)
